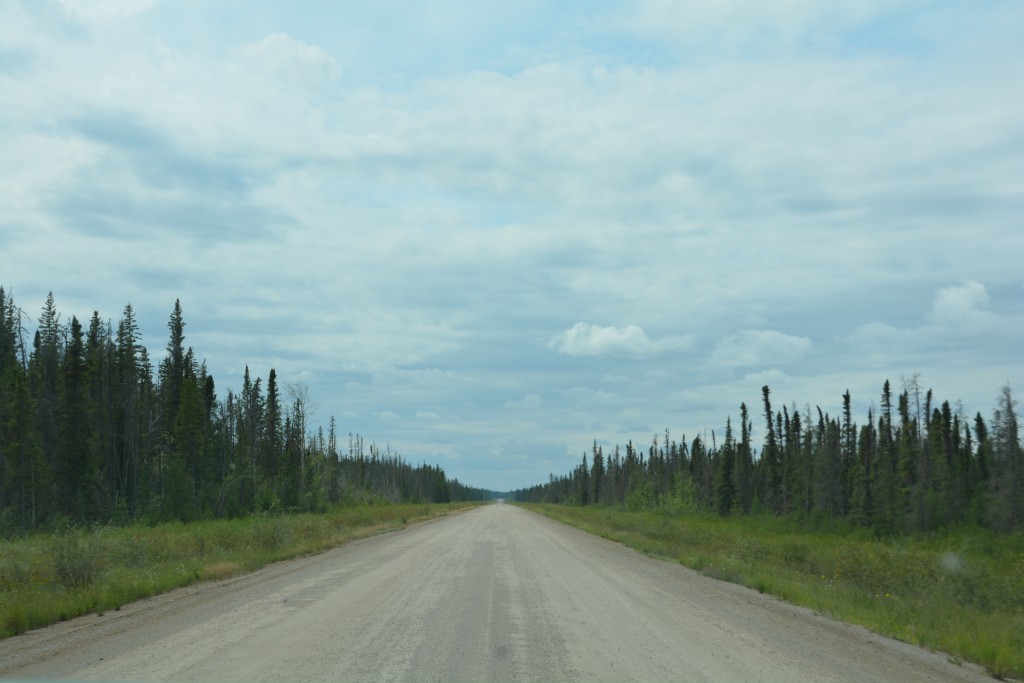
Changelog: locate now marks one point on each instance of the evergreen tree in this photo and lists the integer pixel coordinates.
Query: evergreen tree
(272, 458)
(333, 487)
(744, 464)
(76, 469)
(132, 416)
(99, 370)
(1006, 511)
(11, 350)
(172, 368)
(725, 463)
(184, 490)
(793, 489)
(770, 459)
(582, 482)
(863, 507)
(25, 475)
(43, 373)
(828, 448)
(597, 474)
(884, 468)
(250, 435)
(848, 458)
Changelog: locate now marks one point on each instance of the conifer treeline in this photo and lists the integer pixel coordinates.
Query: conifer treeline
(88, 433)
(916, 466)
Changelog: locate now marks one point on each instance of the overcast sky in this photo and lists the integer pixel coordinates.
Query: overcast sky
(490, 233)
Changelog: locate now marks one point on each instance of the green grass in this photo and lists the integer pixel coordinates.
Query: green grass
(50, 578)
(959, 591)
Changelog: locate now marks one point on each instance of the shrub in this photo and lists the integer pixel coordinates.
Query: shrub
(76, 562)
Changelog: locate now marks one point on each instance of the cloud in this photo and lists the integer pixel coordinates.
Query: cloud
(290, 61)
(760, 347)
(958, 313)
(877, 336)
(405, 207)
(584, 339)
(963, 308)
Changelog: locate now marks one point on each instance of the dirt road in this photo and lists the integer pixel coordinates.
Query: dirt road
(496, 594)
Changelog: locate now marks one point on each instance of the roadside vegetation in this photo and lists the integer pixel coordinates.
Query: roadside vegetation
(121, 477)
(93, 431)
(45, 578)
(959, 590)
(910, 523)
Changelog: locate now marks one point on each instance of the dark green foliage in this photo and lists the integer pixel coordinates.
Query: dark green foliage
(918, 474)
(1006, 483)
(87, 434)
(75, 464)
(725, 486)
(771, 484)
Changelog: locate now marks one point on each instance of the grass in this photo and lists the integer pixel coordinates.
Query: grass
(959, 591)
(50, 578)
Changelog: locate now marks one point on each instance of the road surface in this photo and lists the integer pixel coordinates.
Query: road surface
(495, 594)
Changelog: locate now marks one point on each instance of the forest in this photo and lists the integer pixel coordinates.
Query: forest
(92, 432)
(916, 466)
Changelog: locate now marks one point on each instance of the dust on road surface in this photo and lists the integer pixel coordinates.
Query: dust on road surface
(496, 594)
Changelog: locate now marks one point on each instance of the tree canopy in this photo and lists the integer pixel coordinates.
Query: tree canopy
(920, 468)
(90, 433)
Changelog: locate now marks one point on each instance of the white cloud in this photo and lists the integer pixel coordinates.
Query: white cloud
(409, 237)
(584, 339)
(290, 61)
(880, 336)
(958, 313)
(759, 348)
(963, 309)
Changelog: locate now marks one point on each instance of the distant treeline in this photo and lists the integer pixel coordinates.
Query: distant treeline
(90, 433)
(916, 466)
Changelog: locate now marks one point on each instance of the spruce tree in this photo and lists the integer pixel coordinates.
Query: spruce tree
(884, 467)
(1006, 511)
(272, 459)
(849, 454)
(131, 418)
(725, 487)
(26, 483)
(43, 373)
(77, 481)
(770, 458)
(744, 464)
(172, 368)
(596, 473)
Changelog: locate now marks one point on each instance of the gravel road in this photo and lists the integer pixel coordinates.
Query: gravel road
(495, 594)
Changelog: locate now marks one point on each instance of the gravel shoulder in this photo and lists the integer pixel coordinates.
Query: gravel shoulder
(498, 593)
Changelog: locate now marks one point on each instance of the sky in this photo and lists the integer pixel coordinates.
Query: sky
(488, 234)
